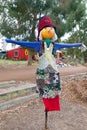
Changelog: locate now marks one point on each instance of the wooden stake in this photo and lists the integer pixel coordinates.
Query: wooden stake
(46, 117)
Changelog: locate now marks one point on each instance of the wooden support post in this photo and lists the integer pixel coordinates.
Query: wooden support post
(46, 117)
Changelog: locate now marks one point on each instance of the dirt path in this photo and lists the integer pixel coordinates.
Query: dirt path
(24, 72)
(30, 115)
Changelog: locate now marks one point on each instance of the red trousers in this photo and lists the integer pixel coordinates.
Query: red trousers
(52, 104)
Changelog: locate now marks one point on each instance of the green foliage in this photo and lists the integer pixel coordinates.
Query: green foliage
(20, 18)
(77, 37)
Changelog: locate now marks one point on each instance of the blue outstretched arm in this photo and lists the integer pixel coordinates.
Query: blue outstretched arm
(36, 45)
(58, 46)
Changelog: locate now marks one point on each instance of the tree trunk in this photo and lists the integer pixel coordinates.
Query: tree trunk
(29, 57)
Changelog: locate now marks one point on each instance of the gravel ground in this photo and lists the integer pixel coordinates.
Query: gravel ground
(30, 115)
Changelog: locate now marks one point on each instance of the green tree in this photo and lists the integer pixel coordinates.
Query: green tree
(71, 17)
(67, 14)
(20, 17)
(79, 30)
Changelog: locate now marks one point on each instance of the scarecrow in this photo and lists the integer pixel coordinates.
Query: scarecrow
(47, 74)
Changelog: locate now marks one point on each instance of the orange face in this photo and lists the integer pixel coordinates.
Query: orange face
(47, 32)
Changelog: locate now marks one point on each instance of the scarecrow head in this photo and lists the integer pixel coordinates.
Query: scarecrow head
(46, 29)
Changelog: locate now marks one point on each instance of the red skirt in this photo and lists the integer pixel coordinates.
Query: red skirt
(52, 104)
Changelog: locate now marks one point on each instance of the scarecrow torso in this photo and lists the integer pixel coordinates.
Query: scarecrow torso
(48, 80)
(47, 58)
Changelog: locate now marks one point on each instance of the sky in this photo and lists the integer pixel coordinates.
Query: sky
(6, 46)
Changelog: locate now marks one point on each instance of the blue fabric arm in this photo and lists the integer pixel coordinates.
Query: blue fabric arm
(34, 45)
(58, 46)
